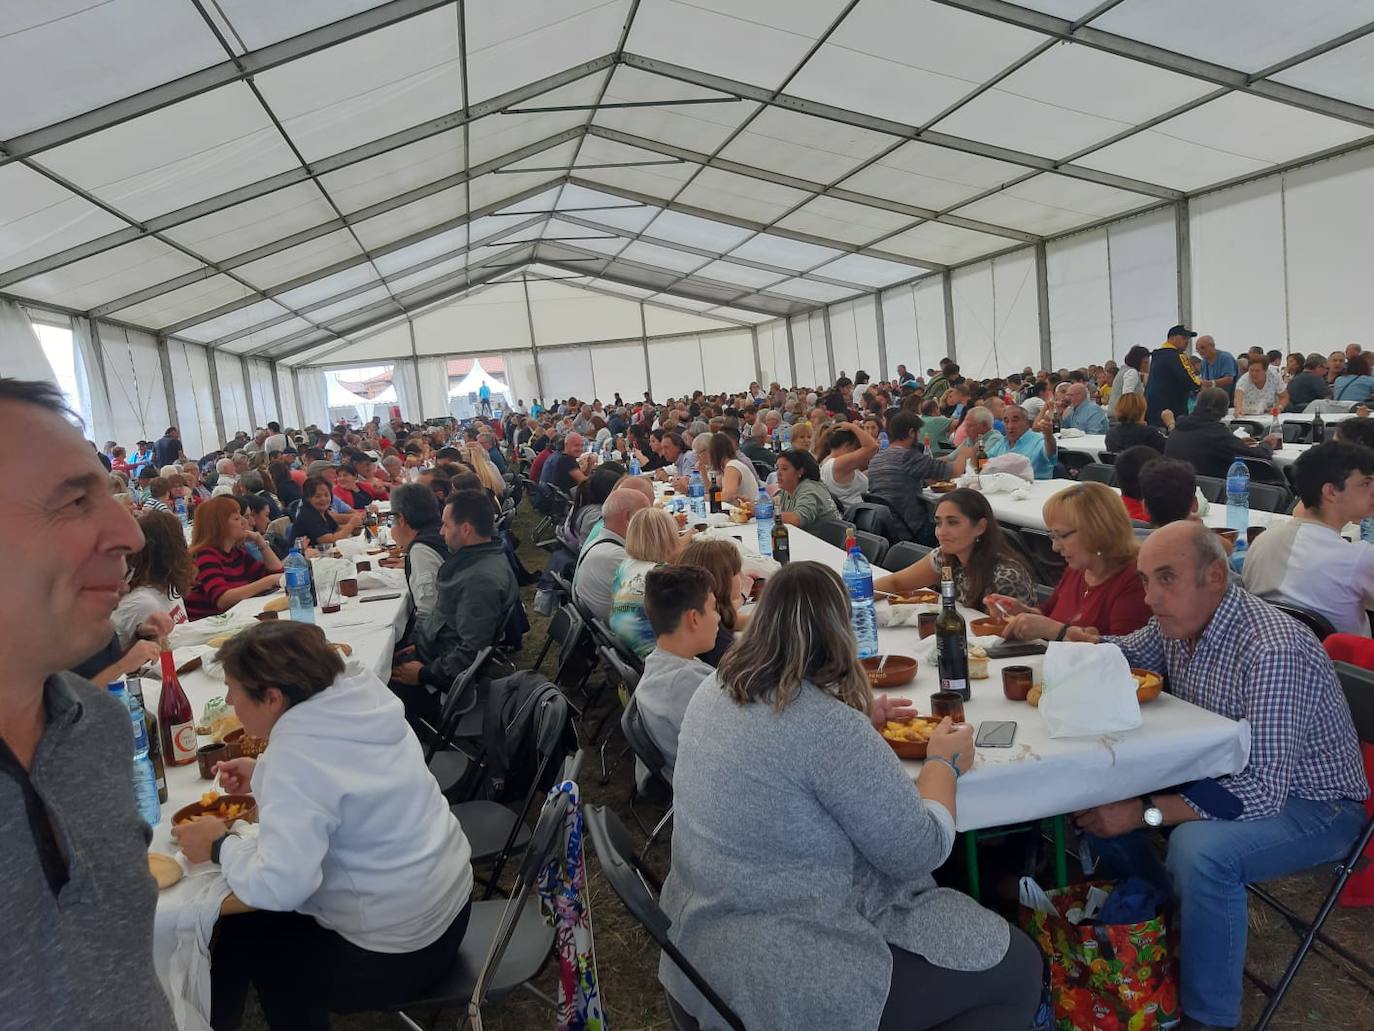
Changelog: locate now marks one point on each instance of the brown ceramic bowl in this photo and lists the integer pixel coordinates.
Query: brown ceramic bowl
(984, 627)
(914, 598)
(899, 670)
(909, 749)
(245, 744)
(1148, 685)
(220, 807)
(940, 486)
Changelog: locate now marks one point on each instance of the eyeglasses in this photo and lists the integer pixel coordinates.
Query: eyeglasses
(1058, 537)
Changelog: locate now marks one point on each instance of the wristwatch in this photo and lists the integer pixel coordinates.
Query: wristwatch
(1153, 816)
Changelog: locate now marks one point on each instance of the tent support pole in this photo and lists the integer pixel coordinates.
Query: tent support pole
(534, 351)
(296, 389)
(644, 346)
(165, 361)
(1042, 293)
(882, 333)
(758, 366)
(276, 393)
(248, 394)
(947, 282)
(1184, 260)
(829, 344)
(791, 349)
(415, 361)
(215, 399)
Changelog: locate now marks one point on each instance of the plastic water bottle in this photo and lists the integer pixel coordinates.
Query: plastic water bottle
(145, 780)
(697, 492)
(786, 436)
(635, 469)
(763, 515)
(181, 510)
(858, 579)
(1367, 529)
(882, 440)
(297, 576)
(1238, 508)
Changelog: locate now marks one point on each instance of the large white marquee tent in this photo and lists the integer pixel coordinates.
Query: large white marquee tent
(222, 198)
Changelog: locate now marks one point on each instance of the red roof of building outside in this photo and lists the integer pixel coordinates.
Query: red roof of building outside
(462, 366)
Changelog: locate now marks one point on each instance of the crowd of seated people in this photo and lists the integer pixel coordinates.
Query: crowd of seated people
(747, 728)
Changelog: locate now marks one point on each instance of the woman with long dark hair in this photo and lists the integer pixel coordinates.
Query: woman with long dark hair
(973, 544)
(846, 874)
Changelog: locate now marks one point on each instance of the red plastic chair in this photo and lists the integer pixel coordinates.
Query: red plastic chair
(1358, 651)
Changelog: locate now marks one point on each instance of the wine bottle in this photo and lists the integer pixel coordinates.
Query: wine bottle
(782, 544)
(951, 640)
(177, 723)
(714, 493)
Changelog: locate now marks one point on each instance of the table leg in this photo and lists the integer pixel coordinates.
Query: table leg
(1061, 856)
(971, 861)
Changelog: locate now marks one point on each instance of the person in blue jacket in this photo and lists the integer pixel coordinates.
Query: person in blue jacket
(1172, 380)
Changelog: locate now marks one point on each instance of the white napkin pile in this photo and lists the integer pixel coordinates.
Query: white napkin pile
(1005, 483)
(1070, 433)
(187, 635)
(1088, 690)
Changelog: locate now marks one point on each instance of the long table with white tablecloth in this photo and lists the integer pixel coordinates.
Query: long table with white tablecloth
(1040, 776)
(1096, 443)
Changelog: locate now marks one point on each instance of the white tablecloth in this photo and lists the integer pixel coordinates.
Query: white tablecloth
(1028, 512)
(1095, 443)
(1039, 776)
(371, 630)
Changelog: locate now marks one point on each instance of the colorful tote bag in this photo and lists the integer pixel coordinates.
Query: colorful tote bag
(1117, 977)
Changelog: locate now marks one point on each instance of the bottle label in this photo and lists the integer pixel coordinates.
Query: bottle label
(183, 743)
(297, 578)
(959, 686)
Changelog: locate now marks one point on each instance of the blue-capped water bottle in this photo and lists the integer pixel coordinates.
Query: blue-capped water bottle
(1367, 529)
(882, 440)
(181, 510)
(697, 492)
(863, 617)
(1238, 508)
(786, 436)
(296, 570)
(635, 468)
(763, 515)
(145, 780)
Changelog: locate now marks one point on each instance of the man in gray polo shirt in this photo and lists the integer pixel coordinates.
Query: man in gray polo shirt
(599, 560)
(78, 902)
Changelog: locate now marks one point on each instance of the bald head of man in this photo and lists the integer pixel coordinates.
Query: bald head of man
(573, 444)
(621, 505)
(636, 483)
(1183, 567)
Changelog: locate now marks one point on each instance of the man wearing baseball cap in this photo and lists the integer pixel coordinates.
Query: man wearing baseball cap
(1172, 380)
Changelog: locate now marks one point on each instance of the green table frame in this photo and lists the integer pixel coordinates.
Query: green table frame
(1053, 827)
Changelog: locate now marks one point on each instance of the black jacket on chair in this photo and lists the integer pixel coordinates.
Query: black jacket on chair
(1209, 446)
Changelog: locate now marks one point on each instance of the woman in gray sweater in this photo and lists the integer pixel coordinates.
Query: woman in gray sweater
(802, 855)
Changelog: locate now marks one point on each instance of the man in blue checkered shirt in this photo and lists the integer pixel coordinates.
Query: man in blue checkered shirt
(1295, 805)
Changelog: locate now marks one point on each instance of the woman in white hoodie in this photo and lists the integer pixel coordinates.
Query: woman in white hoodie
(360, 874)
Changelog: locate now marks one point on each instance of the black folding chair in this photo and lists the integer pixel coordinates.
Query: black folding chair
(507, 941)
(1213, 489)
(1098, 473)
(1250, 426)
(1296, 432)
(627, 880)
(1269, 497)
(1358, 685)
(1037, 547)
(627, 676)
(1074, 461)
(832, 531)
(495, 831)
(647, 752)
(762, 470)
(1314, 621)
(873, 518)
(873, 547)
(902, 526)
(905, 553)
(449, 764)
(1263, 470)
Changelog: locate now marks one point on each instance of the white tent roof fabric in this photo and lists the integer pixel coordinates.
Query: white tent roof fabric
(289, 181)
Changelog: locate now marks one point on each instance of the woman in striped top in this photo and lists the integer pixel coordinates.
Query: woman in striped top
(225, 572)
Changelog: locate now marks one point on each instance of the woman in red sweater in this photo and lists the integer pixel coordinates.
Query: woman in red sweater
(1100, 588)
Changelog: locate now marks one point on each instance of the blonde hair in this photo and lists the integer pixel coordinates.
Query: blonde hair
(1130, 408)
(652, 536)
(799, 430)
(486, 469)
(800, 631)
(1095, 512)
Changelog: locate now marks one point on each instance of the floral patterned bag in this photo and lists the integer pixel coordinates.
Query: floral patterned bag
(1118, 977)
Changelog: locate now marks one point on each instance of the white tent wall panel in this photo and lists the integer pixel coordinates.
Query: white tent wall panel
(233, 394)
(808, 344)
(433, 375)
(195, 405)
(567, 372)
(520, 376)
(1329, 234)
(133, 371)
(1080, 300)
(565, 316)
(659, 321)
(290, 411)
(675, 365)
(996, 316)
(932, 335)
(264, 397)
(1238, 274)
(900, 329)
(1143, 254)
(727, 360)
(314, 398)
(494, 319)
(619, 368)
(391, 342)
(775, 360)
